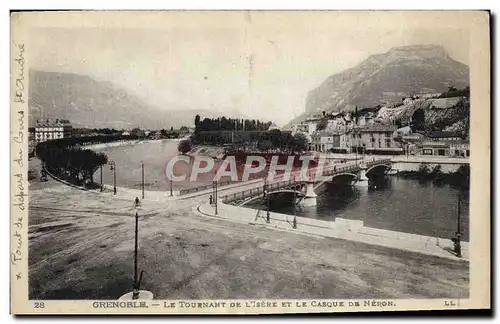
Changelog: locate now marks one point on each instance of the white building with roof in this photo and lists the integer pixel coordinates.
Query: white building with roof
(51, 130)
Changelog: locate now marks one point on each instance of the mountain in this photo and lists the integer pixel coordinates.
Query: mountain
(86, 102)
(387, 77)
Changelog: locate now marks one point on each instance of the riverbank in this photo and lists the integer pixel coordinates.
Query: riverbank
(102, 146)
(351, 230)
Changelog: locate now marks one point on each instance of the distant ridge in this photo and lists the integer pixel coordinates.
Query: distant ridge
(95, 104)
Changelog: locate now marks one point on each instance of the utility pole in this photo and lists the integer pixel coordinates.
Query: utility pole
(268, 213)
(112, 166)
(215, 196)
(142, 171)
(294, 211)
(101, 180)
(458, 247)
(135, 291)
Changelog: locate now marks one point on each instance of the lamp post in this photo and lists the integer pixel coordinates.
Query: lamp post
(171, 189)
(136, 292)
(458, 247)
(215, 196)
(142, 173)
(101, 178)
(294, 206)
(112, 167)
(266, 197)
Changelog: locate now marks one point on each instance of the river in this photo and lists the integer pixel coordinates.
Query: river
(398, 204)
(405, 205)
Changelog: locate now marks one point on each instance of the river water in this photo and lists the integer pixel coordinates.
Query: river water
(398, 204)
(405, 205)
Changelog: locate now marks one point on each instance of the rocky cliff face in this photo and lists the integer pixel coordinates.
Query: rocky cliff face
(381, 78)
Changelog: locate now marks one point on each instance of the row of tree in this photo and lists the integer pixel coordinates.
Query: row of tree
(254, 140)
(67, 159)
(229, 124)
(70, 162)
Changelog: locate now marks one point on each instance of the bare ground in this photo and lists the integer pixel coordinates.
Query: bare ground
(81, 247)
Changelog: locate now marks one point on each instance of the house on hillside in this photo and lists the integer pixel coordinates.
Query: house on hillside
(375, 139)
(442, 143)
(337, 142)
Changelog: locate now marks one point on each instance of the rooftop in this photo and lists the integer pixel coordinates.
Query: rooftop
(378, 128)
(443, 134)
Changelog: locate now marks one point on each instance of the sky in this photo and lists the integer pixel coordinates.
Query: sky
(261, 64)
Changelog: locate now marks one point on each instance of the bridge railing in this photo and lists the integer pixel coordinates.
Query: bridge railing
(249, 193)
(205, 187)
(381, 161)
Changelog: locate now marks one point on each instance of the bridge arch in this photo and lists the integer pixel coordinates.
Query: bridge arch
(344, 178)
(378, 169)
(299, 193)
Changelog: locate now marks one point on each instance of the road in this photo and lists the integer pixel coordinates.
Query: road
(81, 247)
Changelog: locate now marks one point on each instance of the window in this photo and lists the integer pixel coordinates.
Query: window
(388, 142)
(441, 152)
(467, 153)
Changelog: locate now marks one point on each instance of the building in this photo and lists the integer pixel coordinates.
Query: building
(434, 147)
(307, 128)
(321, 142)
(459, 149)
(329, 142)
(445, 136)
(273, 126)
(376, 139)
(49, 130)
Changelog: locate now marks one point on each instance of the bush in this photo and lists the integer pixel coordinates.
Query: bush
(185, 146)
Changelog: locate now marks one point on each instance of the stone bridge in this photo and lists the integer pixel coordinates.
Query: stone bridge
(304, 187)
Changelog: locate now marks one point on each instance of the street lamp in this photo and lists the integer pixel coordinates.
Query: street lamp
(142, 173)
(456, 240)
(112, 167)
(266, 197)
(215, 196)
(294, 206)
(101, 178)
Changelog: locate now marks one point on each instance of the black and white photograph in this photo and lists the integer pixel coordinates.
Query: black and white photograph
(255, 162)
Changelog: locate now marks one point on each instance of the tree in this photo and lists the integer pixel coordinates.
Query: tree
(196, 123)
(265, 145)
(185, 146)
(322, 124)
(184, 130)
(300, 142)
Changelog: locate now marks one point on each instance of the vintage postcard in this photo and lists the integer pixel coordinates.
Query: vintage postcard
(249, 162)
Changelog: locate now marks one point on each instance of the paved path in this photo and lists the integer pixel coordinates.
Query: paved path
(342, 229)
